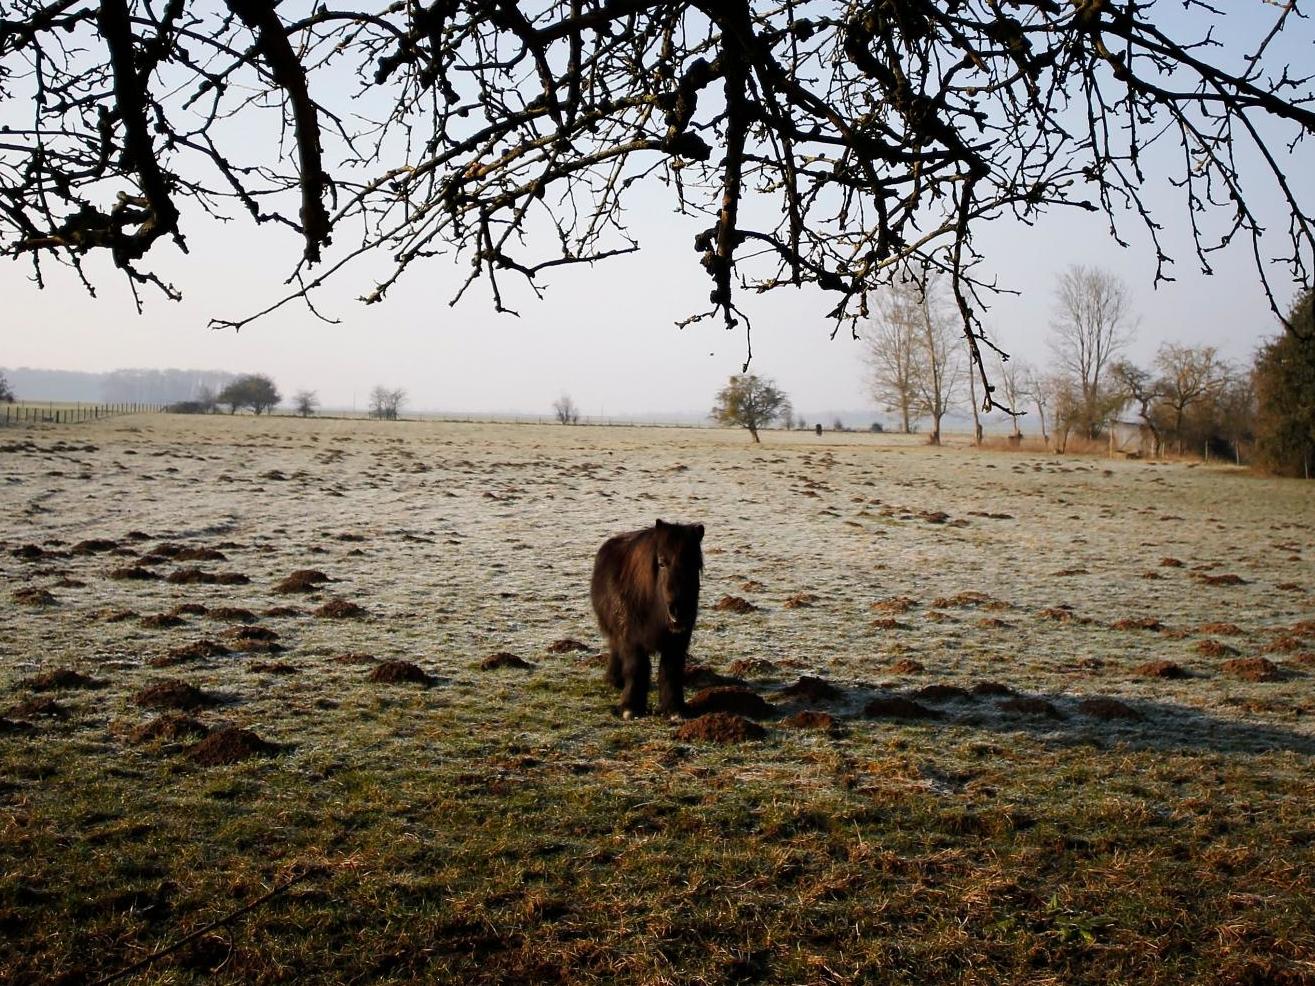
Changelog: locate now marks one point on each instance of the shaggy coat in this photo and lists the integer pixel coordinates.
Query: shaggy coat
(645, 591)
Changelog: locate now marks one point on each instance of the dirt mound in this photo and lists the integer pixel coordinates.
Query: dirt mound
(400, 672)
(1222, 629)
(251, 633)
(189, 609)
(161, 621)
(734, 604)
(37, 707)
(1107, 708)
(198, 650)
(133, 573)
(992, 623)
(200, 576)
(273, 667)
(173, 693)
(750, 585)
(30, 552)
(93, 546)
(907, 665)
(1171, 563)
(963, 599)
(1029, 706)
(812, 689)
(1160, 669)
(61, 679)
(566, 645)
(943, 693)
(32, 596)
(340, 609)
(502, 659)
(699, 675)
(231, 746)
(171, 726)
(720, 727)
(1227, 578)
(991, 688)
(1285, 644)
(888, 623)
(1253, 669)
(1063, 614)
(801, 600)
(199, 554)
(895, 604)
(730, 698)
(303, 580)
(897, 707)
(16, 727)
(1213, 648)
(1137, 623)
(112, 614)
(276, 611)
(822, 721)
(233, 614)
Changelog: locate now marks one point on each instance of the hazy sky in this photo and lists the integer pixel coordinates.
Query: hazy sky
(605, 335)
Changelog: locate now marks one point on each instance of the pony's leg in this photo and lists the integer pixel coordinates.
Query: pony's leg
(615, 670)
(671, 679)
(634, 696)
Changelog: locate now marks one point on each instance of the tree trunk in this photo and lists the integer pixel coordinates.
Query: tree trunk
(935, 437)
(753, 430)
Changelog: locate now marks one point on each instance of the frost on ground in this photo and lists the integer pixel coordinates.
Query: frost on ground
(347, 597)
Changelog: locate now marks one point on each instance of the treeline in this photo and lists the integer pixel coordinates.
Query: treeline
(1188, 400)
(128, 386)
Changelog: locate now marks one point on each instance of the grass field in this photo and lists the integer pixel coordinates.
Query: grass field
(1061, 733)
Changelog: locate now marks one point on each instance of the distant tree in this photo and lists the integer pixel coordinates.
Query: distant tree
(1012, 377)
(1067, 407)
(206, 399)
(1285, 395)
(787, 416)
(305, 402)
(386, 404)
(6, 392)
(1091, 326)
(233, 395)
(937, 366)
(1035, 389)
(261, 393)
(1189, 376)
(1139, 387)
(891, 346)
(565, 410)
(750, 402)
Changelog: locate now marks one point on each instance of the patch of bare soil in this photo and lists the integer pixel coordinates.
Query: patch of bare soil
(189, 609)
(169, 727)
(1285, 644)
(984, 688)
(897, 707)
(1222, 629)
(1253, 669)
(720, 727)
(895, 604)
(161, 621)
(730, 698)
(400, 672)
(1161, 669)
(812, 689)
(907, 665)
(278, 611)
(37, 707)
(232, 614)
(1063, 614)
(567, 645)
(992, 623)
(340, 609)
(196, 575)
(734, 604)
(1213, 648)
(198, 650)
(199, 554)
(226, 746)
(1107, 708)
(174, 693)
(1137, 623)
(356, 658)
(32, 596)
(801, 600)
(1027, 705)
(943, 693)
(302, 580)
(273, 667)
(888, 623)
(133, 573)
(1225, 579)
(502, 659)
(962, 599)
(738, 668)
(1171, 563)
(810, 719)
(93, 546)
(61, 679)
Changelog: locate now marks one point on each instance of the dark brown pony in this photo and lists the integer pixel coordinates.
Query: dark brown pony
(645, 591)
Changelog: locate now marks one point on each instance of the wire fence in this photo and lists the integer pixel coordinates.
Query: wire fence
(21, 413)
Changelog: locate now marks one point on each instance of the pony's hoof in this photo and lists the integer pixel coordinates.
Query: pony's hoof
(627, 714)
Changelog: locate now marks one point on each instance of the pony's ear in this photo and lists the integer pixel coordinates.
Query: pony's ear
(698, 531)
(659, 525)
